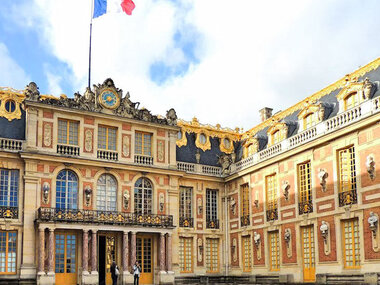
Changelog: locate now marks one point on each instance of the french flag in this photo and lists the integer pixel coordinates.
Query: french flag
(106, 6)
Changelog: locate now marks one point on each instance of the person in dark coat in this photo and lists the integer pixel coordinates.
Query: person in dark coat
(114, 273)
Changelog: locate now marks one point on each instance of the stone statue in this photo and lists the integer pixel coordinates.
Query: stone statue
(367, 88)
(285, 189)
(287, 235)
(171, 117)
(126, 197)
(324, 228)
(322, 175)
(370, 165)
(233, 206)
(256, 238)
(87, 195)
(31, 92)
(225, 161)
(372, 221)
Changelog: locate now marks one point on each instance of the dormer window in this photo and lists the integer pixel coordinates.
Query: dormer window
(276, 137)
(277, 132)
(251, 146)
(310, 115)
(355, 93)
(350, 101)
(308, 121)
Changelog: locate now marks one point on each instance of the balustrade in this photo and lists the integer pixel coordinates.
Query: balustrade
(108, 155)
(142, 159)
(10, 144)
(185, 166)
(68, 149)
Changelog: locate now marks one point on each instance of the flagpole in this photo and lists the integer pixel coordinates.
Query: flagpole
(89, 52)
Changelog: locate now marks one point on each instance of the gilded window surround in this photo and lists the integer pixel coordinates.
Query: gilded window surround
(310, 109)
(254, 142)
(341, 83)
(183, 140)
(277, 126)
(7, 94)
(209, 131)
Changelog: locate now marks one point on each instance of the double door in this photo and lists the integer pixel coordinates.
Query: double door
(107, 254)
(144, 255)
(66, 261)
(308, 251)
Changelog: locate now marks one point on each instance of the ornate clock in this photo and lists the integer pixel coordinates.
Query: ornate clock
(109, 99)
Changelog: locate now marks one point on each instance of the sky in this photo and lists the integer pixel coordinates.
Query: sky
(220, 61)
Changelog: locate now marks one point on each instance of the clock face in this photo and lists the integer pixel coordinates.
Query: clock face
(109, 99)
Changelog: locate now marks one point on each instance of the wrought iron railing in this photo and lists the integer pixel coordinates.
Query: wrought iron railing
(186, 222)
(244, 221)
(8, 212)
(305, 207)
(212, 224)
(104, 217)
(272, 214)
(348, 198)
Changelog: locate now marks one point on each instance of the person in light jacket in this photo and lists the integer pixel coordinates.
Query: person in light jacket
(136, 273)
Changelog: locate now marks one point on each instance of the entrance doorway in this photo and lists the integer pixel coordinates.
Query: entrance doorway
(144, 255)
(66, 265)
(308, 253)
(107, 254)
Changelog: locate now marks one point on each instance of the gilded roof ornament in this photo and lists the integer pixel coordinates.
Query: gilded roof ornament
(11, 103)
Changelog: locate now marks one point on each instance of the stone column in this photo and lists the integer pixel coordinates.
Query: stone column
(133, 248)
(94, 267)
(125, 252)
(162, 252)
(41, 251)
(85, 251)
(51, 251)
(169, 251)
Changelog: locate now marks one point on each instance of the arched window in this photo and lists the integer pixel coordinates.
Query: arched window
(308, 121)
(350, 101)
(276, 138)
(67, 190)
(106, 193)
(143, 196)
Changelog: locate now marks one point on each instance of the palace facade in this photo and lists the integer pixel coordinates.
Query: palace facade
(92, 179)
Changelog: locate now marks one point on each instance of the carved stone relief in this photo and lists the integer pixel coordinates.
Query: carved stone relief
(126, 146)
(88, 139)
(47, 139)
(160, 151)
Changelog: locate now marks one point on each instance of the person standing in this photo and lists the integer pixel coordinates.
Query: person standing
(136, 273)
(114, 273)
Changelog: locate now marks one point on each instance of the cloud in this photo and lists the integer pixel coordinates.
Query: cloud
(218, 60)
(11, 74)
(54, 81)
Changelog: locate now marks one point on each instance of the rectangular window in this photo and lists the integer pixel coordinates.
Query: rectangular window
(186, 194)
(246, 240)
(9, 187)
(244, 194)
(185, 254)
(212, 208)
(347, 169)
(212, 255)
(274, 251)
(107, 138)
(8, 252)
(271, 187)
(244, 201)
(143, 143)
(351, 248)
(68, 132)
(304, 188)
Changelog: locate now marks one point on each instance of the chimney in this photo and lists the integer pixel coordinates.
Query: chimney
(265, 113)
